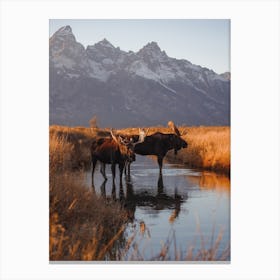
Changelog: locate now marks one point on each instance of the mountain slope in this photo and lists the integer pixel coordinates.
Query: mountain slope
(131, 89)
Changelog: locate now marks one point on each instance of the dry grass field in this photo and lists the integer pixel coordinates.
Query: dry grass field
(209, 147)
(84, 226)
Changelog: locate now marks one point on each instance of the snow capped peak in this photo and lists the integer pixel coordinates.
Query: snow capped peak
(104, 78)
(65, 30)
(102, 60)
(63, 34)
(105, 43)
(102, 51)
(151, 47)
(152, 51)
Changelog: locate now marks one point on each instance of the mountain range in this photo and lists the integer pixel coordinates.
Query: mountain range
(124, 89)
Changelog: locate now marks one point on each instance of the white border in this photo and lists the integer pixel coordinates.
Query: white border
(255, 137)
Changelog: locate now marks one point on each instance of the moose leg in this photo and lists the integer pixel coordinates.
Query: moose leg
(113, 168)
(121, 167)
(94, 161)
(102, 170)
(128, 168)
(125, 168)
(159, 159)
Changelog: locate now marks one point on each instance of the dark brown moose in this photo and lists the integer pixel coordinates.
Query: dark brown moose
(110, 151)
(158, 144)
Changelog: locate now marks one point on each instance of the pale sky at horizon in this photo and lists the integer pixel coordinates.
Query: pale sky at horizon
(205, 42)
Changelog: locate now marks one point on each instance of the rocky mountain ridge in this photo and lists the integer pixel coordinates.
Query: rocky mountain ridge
(131, 88)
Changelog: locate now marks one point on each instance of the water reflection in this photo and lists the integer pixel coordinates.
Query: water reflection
(102, 189)
(211, 181)
(155, 204)
(154, 198)
(130, 199)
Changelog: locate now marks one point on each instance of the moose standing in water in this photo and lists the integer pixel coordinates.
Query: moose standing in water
(121, 150)
(157, 144)
(111, 151)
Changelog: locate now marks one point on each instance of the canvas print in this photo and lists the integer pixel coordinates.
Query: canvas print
(139, 140)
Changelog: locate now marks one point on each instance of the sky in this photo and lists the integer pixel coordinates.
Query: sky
(205, 42)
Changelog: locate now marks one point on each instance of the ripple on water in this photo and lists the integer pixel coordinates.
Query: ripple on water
(165, 172)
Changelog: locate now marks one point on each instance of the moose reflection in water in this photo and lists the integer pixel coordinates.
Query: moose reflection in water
(173, 201)
(130, 199)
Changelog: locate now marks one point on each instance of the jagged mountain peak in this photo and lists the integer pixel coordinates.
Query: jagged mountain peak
(105, 41)
(106, 81)
(64, 31)
(103, 50)
(64, 34)
(103, 44)
(151, 47)
(66, 54)
(66, 28)
(152, 50)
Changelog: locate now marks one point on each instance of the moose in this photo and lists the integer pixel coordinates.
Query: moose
(110, 151)
(121, 150)
(157, 144)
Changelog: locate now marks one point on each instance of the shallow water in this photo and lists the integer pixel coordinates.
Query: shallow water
(182, 209)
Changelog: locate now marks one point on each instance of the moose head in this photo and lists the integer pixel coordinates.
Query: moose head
(177, 140)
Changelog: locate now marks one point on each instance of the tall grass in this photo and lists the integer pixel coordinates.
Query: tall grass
(83, 226)
(208, 148)
(60, 154)
(70, 147)
(137, 247)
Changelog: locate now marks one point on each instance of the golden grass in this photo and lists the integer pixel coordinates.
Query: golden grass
(82, 225)
(208, 148)
(70, 147)
(60, 153)
(86, 227)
